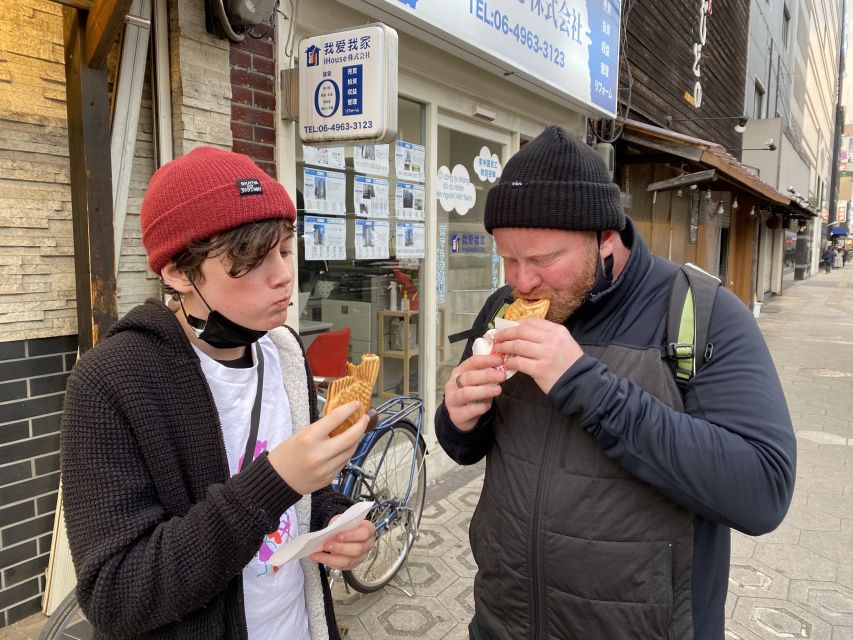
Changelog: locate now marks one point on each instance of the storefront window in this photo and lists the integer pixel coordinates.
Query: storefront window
(468, 268)
(361, 255)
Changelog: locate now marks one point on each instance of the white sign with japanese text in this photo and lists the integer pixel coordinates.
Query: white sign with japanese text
(348, 86)
(570, 47)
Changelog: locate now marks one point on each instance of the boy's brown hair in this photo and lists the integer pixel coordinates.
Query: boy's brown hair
(242, 249)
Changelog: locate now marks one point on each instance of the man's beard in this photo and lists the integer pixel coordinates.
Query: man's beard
(565, 302)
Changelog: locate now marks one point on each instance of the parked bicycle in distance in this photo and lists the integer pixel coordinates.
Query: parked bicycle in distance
(387, 467)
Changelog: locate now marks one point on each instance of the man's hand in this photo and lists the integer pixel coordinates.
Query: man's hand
(471, 389)
(543, 350)
(310, 459)
(346, 550)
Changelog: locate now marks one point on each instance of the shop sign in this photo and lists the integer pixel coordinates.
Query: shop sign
(348, 86)
(706, 9)
(567, 47)
(841, 211)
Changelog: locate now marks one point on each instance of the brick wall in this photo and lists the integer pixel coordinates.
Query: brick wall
(32, 388)
(253, 97)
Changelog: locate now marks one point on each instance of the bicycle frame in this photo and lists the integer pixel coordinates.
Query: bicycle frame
(390, 412)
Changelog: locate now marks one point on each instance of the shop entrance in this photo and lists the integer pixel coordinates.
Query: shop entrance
(470, 159)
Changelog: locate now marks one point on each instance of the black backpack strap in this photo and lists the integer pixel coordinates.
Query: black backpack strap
(503, 297)
(691, 302)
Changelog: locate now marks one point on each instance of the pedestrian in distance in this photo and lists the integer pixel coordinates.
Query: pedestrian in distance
(190, 445)
(828, 258)
(609, 491)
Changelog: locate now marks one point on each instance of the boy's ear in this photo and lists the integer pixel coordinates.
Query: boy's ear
(175, 278)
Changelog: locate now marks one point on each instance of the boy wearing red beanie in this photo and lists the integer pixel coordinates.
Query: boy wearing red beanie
(191, 448)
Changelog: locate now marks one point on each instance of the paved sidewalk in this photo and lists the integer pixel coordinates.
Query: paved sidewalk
(796, 582)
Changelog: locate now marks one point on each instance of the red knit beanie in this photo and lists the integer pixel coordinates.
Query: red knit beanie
(202, 193)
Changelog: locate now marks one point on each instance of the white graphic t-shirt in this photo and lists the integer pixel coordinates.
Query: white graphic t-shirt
(274, 596)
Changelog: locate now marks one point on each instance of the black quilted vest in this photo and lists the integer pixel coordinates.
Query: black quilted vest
(569, 545)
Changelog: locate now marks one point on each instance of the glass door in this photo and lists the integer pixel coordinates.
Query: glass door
(470, 160)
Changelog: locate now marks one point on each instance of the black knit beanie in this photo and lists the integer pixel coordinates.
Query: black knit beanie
(555, 182)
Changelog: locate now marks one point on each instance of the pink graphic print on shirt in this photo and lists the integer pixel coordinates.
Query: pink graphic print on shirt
(286, 529)
(260, 447)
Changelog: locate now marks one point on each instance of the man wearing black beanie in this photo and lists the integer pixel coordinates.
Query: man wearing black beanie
(609, 489)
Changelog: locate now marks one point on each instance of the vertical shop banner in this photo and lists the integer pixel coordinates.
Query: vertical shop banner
(567, 46)
(325, 238)
(841, 211)
(370, 196)
(409, 161)
(410, 240)
(371, 239)
(410, 201)
(371, 158)
(441, 265)
(325, 192)
(332, 157)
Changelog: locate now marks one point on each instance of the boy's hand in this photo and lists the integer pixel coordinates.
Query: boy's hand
(310, 459)
(346, 550)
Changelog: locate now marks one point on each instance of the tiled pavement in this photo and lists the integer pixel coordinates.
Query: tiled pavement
(796, 582)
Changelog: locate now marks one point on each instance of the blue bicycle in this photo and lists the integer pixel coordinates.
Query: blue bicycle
(388, 467)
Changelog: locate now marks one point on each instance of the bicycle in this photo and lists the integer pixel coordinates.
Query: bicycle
(388, 467)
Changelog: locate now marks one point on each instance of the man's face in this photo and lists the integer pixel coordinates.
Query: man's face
(257, 300)
(549, 263)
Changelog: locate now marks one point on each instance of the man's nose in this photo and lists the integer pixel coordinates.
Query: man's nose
(527, 278)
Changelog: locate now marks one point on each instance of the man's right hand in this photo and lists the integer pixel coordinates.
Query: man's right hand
(309, 460)
(471, 389)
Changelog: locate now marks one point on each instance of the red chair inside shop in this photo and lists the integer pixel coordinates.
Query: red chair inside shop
(327, 354)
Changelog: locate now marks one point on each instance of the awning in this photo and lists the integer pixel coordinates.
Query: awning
(837, 231)
(711, 155)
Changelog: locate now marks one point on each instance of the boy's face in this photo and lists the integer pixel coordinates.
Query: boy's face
(257, 300)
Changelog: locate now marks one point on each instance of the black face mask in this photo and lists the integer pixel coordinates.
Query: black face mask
(220, 332)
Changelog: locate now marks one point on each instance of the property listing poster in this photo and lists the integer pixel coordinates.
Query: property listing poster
(332, 157)
(370, 196)
(371, 239)
(325, 192)
(409, 161)
(410, 201)
(325, 238)
(410, 240)
(371, 158)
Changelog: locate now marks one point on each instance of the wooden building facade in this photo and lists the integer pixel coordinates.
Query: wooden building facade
(676, 154)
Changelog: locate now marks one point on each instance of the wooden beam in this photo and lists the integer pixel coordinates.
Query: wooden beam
(106, 17)
(87, 101)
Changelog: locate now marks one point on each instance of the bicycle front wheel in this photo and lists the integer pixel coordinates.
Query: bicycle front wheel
(385, 479)
(68, 622)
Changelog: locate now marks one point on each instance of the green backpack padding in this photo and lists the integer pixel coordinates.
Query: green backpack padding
(691, 301)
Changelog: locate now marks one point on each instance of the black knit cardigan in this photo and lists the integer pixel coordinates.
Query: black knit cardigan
(159, 532)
